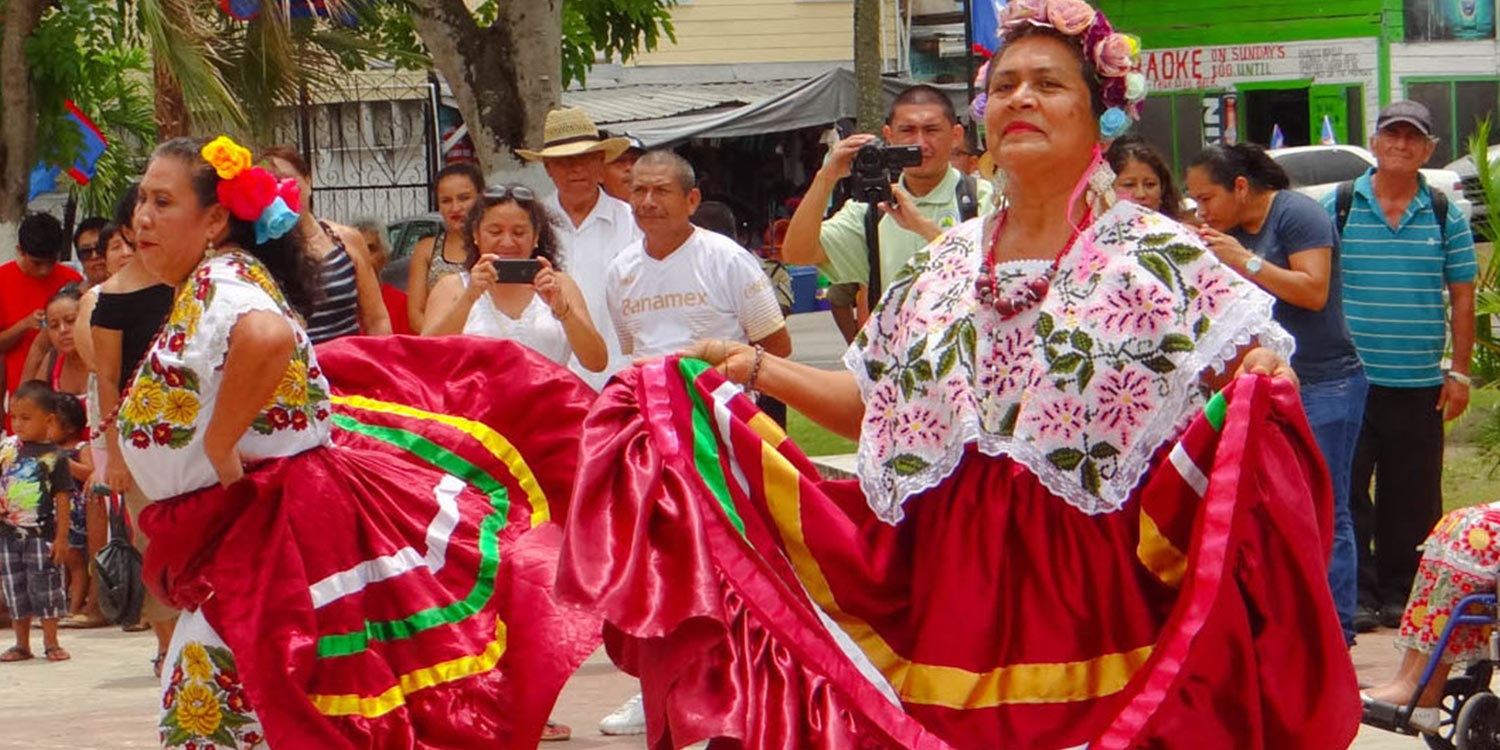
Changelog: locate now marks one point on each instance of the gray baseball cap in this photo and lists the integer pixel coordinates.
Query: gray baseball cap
(1413, 113)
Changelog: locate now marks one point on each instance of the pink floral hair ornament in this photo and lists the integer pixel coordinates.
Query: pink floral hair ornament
(1115, 56)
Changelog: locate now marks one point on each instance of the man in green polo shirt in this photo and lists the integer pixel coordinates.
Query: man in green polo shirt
(926, 198)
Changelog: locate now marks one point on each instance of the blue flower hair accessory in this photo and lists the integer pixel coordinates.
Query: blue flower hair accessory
(275, 221)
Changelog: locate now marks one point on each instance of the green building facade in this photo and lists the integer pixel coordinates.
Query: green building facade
(1239, 69)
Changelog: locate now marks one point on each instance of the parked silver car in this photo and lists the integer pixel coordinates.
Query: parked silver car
(1317, 171)
(404, 235)
(1469, 173)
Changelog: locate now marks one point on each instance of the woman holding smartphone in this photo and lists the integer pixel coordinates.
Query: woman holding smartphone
(512, 289)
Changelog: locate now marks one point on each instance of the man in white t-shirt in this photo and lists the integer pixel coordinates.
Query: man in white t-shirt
(680, 283)
(592, 227)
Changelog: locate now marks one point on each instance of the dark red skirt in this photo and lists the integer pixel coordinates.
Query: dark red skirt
(395, 590)
(761, 604)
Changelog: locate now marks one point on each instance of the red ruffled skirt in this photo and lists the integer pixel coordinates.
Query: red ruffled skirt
(395, 590)
(761, 604)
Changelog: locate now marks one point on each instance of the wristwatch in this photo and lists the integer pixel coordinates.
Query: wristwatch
(1254, 265)
(1460, 378)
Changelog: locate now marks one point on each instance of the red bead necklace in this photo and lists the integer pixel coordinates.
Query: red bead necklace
(1026, 296)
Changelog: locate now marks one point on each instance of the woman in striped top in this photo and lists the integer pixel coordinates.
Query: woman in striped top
(350, 301)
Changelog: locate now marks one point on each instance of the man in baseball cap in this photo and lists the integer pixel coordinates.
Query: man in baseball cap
(1403, 245)
(1412, 113)
(617, 172)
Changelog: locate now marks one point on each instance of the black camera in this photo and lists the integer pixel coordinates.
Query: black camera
(876, 166)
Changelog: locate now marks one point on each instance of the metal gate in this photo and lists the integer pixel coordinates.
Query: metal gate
(371, 144)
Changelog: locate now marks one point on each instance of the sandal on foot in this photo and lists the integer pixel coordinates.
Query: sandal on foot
(156, 663)
(56, 653)
(136, 627)
(16, 653)
(82, 621)
(556, 732)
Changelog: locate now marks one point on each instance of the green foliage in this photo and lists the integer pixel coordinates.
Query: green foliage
(610, 29)
(591, 29)
(80, 52)
(1487, 284)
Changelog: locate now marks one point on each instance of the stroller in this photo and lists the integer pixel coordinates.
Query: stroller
(1470, 712)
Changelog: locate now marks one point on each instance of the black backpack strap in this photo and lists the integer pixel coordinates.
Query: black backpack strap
(1440, 211)
(1343, 200)
(872, 246)
(967, 194)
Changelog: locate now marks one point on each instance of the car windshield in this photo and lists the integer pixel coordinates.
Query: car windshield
(1322, 167)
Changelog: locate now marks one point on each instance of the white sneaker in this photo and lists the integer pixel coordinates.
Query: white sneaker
(629, 718)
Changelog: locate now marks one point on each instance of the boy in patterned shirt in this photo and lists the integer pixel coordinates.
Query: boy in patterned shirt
(37, 487)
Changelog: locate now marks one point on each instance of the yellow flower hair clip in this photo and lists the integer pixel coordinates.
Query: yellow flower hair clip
(227, 157)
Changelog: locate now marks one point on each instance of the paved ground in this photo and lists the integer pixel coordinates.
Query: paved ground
(105, 699)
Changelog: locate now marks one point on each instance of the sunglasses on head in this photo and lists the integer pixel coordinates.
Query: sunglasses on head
(501, 192)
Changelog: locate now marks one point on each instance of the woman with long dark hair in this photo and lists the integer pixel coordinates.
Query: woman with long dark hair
(457, 187)
(350, 302)
(1285, 242)
(548, 314)
(1142, 176)
(352, 596)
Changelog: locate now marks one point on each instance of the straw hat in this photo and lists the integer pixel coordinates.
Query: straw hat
(570, 132)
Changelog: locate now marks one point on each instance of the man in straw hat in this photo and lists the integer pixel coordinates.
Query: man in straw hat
(592, 227)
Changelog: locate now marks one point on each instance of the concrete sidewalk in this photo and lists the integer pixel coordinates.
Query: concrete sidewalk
(106, 698)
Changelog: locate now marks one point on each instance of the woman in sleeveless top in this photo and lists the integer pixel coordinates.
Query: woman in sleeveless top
(349, 301)
(548, 315)
(458, 186)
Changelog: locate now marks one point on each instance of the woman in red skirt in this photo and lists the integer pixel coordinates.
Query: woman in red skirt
(358, 568)
(1055, 539)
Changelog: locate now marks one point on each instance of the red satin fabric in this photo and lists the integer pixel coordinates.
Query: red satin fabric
(247, 554)
(987, 570)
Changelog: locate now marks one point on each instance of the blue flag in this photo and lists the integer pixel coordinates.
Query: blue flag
(1327, 138)
(44, 176)
(1278, 140)
(986, 22)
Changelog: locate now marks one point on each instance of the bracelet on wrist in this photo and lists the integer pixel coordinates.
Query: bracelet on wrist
(760, 353)
(1460, 378)
(562, 315)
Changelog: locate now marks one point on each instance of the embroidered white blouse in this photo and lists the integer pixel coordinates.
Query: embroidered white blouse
(173, 394)
(1081, 389)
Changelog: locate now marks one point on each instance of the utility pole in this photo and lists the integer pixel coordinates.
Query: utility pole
(869, 93)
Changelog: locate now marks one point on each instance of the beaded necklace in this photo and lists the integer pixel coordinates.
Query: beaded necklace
(1029, 294)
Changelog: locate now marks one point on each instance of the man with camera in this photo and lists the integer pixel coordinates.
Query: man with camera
(882, 225)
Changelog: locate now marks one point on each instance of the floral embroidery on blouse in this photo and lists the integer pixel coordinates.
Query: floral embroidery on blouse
(173, 394)
(1081, 389)
(204, 704)
(164, 402)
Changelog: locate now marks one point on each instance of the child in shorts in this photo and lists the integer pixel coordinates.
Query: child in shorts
(34, 505)
(70, 434)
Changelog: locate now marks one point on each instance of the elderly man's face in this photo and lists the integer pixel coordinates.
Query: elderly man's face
(1401, 148)
(576, 176)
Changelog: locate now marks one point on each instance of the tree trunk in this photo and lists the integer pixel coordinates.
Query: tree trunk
(506, 77)
(869, 96)
(18, 123)
(172, 117)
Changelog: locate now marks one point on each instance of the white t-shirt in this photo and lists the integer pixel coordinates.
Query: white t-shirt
(586, 253)
(709, 288)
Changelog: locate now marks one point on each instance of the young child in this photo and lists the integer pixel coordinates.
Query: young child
(70, 434)
(38, 487)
